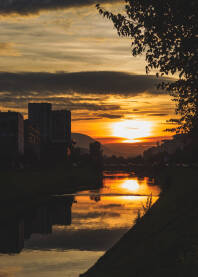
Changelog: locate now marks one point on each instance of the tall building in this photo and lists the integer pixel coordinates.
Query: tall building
(31, 140)
(61, 134)
(11, 134)
(55, 130)
(61, 126)
(40, 114)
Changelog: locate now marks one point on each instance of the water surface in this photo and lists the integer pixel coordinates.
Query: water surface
(66, 235)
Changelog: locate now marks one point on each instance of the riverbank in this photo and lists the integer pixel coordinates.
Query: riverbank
(165, 241)
(23, 185)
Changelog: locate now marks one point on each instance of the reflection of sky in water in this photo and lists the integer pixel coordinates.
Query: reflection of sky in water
(112, 211)
(47, 264)
(97, 223)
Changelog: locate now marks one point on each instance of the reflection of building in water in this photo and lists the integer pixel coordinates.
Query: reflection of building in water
(61, 212)
(12, 237)
(41, 224)
(57, 212)
(38, 220)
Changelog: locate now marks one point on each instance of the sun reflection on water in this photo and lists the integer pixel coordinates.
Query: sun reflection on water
(116, 206)
(130, 185)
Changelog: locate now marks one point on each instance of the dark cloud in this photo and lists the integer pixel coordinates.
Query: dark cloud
(99, 82)
(85, 118)
(158, 114)
(26, 7)
(71, 103)
(99, 116)
(75, 91)
(90, 107)
(111, 116)
(167, 109)
(159, 138)
(70, 106)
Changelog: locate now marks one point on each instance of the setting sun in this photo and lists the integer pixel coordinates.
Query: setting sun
(132, 129)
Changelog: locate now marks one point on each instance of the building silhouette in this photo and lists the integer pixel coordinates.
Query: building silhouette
(11, 135)
(31, 141)
(46, 134)
(40, 115)
(60, 134)
(61, 126)
(55, 130)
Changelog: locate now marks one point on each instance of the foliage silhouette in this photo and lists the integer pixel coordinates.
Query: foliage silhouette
(145, 209)
(166, 31)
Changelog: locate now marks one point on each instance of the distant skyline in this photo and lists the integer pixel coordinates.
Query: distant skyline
(65, 53)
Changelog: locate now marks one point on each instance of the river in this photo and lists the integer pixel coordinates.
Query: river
(67, 234)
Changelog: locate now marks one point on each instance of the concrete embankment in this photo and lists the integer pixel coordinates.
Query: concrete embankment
(165, 241)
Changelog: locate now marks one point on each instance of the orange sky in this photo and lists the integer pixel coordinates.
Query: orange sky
(72, 57)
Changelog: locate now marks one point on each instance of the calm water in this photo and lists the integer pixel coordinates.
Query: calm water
(66, 235)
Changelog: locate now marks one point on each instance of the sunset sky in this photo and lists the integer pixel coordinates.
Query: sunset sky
(65, 53)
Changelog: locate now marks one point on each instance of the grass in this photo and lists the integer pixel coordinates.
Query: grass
(145, 209)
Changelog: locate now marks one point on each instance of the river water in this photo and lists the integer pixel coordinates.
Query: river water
(66, 235)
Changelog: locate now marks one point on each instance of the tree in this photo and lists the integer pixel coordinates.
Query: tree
(166, 31)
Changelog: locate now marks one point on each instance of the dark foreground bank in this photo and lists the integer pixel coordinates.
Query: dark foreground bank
(19, 188)
(165, 241)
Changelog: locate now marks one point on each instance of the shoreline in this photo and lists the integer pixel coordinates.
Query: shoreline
(164, 240)
(24, 187)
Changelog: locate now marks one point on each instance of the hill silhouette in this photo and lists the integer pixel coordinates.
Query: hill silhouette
(83, 141)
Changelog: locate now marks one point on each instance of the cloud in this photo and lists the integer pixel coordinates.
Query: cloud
(88, 91)
(92, 82)
(28, 7)
(99, 116)
(85, 118)
(90, 107)
(110, 140)
(111, 116)
(17, 102)
(8, 49)
(158, 114)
